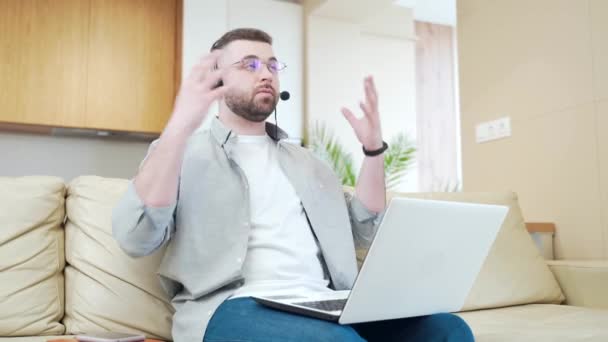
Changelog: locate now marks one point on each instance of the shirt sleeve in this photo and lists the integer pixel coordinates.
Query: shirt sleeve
(364, 222)
(139, 229)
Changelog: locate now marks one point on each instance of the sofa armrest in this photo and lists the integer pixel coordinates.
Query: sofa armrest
(584, 282)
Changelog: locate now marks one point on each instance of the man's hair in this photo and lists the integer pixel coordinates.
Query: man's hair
(242, 34)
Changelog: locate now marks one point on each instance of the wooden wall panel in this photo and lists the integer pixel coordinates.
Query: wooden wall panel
(437, 122)
(131, 82)
(43, 46)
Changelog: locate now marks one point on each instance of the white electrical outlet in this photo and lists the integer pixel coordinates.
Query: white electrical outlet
(492, 130)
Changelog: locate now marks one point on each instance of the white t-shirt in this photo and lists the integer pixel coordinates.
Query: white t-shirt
(283, 256)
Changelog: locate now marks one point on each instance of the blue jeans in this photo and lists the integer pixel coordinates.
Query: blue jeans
(243, 319)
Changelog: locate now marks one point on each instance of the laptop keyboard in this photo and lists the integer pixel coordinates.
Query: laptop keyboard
(325, 305)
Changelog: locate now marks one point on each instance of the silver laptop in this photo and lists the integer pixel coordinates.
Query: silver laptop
(423, 260)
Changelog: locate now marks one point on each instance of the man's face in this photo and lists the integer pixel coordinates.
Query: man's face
(252, 94)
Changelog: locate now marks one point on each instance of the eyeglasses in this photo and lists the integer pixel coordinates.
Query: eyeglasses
(254, 64)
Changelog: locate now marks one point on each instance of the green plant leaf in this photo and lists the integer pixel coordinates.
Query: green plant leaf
(397, 159)
(326, 147)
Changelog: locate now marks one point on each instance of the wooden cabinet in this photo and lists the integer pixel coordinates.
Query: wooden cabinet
(99, 64)
(43, 61)
(131, 64)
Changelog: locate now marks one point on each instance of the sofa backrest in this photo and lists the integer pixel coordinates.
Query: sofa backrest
(31, 256)
(105, 288)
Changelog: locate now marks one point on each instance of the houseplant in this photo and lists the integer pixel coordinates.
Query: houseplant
(397, 159)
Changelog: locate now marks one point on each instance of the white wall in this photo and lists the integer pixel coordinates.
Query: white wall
(205, 21)
(339, 55)
(68, 157)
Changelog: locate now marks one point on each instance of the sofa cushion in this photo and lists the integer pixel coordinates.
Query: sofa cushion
(584, 282)
(105, 288)
(514, 272)
(31, 256)
(66, 338)
(539, 323)
(34, 338)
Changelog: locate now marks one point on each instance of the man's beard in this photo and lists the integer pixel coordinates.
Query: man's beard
(250, 108)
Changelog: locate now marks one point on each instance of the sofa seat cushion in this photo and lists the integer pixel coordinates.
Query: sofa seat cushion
(584, 282)
(538, 323)
(33, 338)
(66, 338)
(31, 255)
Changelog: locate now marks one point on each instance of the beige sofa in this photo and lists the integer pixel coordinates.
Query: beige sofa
(61, 272)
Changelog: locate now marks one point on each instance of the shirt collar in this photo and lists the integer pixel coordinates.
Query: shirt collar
(224, 135)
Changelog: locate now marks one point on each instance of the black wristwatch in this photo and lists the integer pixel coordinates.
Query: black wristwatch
(375, 152)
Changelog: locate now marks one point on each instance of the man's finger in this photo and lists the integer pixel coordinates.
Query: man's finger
(196, 74)
(370, 91)
(204, 66)
(212, 78)
(210, 60)
(350, 117)
(365, 107)
(217, 93)
(212, 56)
(208, 55)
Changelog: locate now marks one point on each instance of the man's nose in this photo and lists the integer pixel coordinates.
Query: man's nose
(265, 73)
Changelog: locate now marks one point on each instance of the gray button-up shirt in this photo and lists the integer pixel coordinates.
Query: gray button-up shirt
(207, 230)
